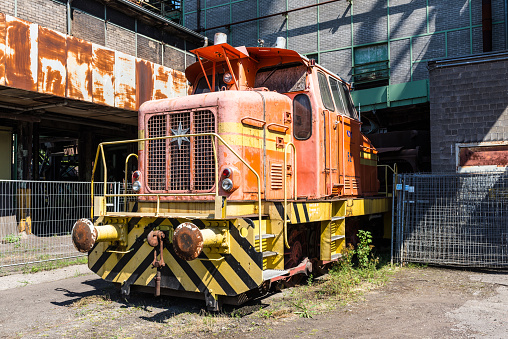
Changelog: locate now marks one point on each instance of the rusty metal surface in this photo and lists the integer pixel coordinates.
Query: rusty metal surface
(52, 62)
(21, 54)
(103, 74)
(187, 241)
(3, 25)
(125, 82)
(41, 60)
(79, 73)
(84, 235)
(144, 81)
(484, 156)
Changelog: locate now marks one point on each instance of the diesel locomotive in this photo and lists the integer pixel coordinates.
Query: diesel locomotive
(244, 183)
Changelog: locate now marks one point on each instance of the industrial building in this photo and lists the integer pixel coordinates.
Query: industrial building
(384, 47)
(73, 74)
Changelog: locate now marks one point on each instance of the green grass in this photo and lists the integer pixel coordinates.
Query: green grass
(11, 239)
(53, 264)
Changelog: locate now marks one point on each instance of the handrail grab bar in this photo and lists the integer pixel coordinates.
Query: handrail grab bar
(285, 190)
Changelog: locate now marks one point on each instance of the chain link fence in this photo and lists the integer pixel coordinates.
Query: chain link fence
(451, 219)
(36, 219)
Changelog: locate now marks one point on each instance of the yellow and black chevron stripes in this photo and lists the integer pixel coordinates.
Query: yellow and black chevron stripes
(303, 212)
(216, 274)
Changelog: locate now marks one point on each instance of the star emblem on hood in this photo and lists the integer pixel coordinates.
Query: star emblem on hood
(178, 132)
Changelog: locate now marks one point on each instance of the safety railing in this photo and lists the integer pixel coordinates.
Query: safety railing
(36, 219)
(214, 138)
(393, 173)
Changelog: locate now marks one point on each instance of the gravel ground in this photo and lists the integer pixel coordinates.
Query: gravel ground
(414, 303)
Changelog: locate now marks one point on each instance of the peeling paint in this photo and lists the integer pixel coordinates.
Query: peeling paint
(52, 62)
(3, 26)
(21, 46)
(144, 81)
(79, 72)
(103, 74)
(42, 60)
(125, 81)
(162, 84)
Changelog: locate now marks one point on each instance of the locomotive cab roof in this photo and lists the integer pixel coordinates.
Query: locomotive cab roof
(225, 55)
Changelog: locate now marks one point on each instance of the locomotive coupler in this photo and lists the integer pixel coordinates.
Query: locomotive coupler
(155, 239)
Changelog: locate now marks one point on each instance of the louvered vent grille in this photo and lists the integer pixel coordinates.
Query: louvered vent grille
(276, 175)
(183, 163)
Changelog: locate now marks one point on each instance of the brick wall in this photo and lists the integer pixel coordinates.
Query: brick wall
(120, 39)
(47, 13)
(89, 28)
(7, 7)
(468, 104)
(441, 29)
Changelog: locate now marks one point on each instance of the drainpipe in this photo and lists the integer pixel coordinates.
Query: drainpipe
(487, 25)
(199, 16)
(69, 21)
(506, 23)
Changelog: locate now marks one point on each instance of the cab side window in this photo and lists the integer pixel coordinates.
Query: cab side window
(326, 96)
(302, 117)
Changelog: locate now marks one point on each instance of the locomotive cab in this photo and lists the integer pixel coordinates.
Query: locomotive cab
(240, 185)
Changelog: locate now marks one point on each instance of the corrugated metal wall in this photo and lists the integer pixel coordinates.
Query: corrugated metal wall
(38, 59)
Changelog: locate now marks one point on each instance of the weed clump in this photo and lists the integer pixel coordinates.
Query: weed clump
(356, 267)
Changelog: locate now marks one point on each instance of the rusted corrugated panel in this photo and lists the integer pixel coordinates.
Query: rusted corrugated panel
(79, 70)
(484, 156)
(162, 83)
(21, 54)
(125, 81)
(103, 75)
(52, 62)
(144, 81)
(2, 48)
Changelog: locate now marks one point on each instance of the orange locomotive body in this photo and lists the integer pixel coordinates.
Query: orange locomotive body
(244, 183)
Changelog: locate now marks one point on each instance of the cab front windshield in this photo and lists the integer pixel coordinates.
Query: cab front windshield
(202, 86)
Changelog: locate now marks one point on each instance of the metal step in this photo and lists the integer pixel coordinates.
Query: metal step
(338, 218)
(336, 256)
(270, 274)
(337, 237)
(265, 236)
(267, 254)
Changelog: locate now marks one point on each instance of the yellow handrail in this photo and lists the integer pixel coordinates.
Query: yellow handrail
(394, 171)
(100, 149)
(125, 181)
(285, 193)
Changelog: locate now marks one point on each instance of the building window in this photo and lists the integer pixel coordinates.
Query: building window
(371, 67)
(302, 117)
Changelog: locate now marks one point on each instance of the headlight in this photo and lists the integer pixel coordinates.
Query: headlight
(227, 184)
(136, 186)
(227, 78)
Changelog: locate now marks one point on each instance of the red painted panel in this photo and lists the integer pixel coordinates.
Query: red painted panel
(52, 62)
